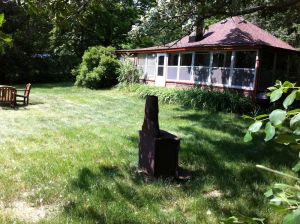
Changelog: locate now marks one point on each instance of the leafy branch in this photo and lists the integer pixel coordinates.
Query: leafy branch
(283, 197)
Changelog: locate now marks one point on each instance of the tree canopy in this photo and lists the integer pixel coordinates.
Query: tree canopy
(170, 20)
(62, 30)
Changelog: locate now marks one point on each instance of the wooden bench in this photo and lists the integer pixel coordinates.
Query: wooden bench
(8, 95)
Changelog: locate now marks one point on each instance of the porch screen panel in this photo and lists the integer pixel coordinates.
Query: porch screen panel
(243, 78)
(185, 73)
(220, 75)
(151, 66)
(141, 64)
(244, 69)
(172, 66)
(201, 67)
(185, 69)
(201, 74)
(220, 71)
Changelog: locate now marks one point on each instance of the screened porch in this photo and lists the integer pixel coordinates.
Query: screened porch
(232, 69)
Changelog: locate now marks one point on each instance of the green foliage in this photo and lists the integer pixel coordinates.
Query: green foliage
(98, 68)
(284, 197)
(197, 98)
(283, 24)
(170, 20)
(78, 25)
(5, 39)
(63, 30)
(128, 72)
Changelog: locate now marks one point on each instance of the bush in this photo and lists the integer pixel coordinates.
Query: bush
(98, 68)
(128, 72)
(196, 98)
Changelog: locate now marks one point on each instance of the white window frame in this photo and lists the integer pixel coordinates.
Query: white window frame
(209, 83)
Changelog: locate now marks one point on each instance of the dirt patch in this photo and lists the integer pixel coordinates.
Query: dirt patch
(26, 212)
(213, 194)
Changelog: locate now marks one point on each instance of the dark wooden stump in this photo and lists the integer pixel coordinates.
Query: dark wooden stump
(158, 149)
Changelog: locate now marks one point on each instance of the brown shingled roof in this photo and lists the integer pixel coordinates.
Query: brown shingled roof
(233, 31)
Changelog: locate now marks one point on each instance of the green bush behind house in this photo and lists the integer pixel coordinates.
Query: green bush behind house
(197, 98)
(98, 68)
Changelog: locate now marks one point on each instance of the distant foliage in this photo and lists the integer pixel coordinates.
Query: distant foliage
(197, 98)
(128, 72)
(98, 68)
(4, 38)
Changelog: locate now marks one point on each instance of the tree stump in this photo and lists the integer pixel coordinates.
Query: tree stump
(158, 149)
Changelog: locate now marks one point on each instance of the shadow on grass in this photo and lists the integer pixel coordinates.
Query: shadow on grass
(218, 163)
(107, 189)
(20, 106)
(53, 85)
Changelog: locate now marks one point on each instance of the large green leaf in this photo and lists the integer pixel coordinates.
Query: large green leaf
(295, 124)
(1, 19)
(292, 218)
(248, 137)
(269, 193)
(288, 84)
(289, 99)
(255, 126)
(270, 131)
(296, 168)
(277, 116)
(275, 95)
(295, 121)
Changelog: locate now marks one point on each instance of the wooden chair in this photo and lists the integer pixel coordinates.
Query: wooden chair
(25, 96)
(8, 95)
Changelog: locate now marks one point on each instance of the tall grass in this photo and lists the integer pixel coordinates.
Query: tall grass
(196, 98)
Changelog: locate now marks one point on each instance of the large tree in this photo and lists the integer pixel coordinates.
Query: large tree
(169, 20)
(63, 29)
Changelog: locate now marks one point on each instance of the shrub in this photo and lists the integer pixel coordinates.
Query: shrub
(98, 68)
(128, 72)
(196, 98)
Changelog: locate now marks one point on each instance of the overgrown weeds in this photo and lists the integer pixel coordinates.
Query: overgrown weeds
(195, 98)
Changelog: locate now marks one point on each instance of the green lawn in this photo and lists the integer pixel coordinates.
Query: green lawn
(71, 157)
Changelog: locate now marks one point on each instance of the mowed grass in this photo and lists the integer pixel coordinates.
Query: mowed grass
(75, 151)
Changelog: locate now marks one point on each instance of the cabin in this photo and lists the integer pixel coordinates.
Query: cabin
(232, 54)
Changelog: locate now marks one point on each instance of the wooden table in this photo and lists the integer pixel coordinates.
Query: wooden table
(8, 94)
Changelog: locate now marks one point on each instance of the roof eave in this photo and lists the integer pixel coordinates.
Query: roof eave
(203, 47)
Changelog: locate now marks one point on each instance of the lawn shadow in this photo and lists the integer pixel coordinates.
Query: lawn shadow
(107, 187)
(53, 85)
(228, 161)
(227, 164)
(20, 106)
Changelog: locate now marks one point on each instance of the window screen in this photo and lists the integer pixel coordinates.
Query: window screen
(186, 60)
(151, 59)
(173, 59)
(202, 59)
(141, 59)
(245, 59)
(221, 59)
